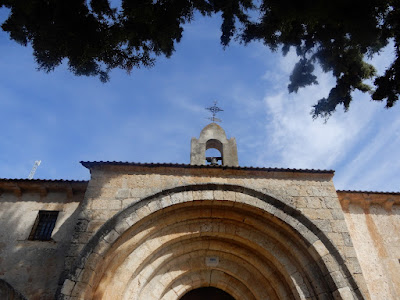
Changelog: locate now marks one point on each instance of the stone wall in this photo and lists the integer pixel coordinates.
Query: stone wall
(373, 220)
(115, 188)
(7, 292)
(34, 267)
(353, 237)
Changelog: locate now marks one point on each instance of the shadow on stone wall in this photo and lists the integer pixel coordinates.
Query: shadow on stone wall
(31, 267)
(7, 292)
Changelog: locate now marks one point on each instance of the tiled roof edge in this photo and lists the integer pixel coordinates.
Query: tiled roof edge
(42, 180)
(367, 192)
(88, 164)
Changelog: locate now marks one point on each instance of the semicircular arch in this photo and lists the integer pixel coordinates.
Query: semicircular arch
(295, 249)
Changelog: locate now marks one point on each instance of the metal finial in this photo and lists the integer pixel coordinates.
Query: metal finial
(214, 110)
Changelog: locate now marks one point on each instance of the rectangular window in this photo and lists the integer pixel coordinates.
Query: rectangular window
(44, 225)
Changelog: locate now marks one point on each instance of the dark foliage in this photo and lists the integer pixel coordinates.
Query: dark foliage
(339, 35)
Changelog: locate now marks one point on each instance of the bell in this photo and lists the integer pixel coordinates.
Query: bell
(213, 160)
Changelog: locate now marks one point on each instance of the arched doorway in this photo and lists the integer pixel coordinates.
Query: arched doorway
(209, 293)
(230, 237)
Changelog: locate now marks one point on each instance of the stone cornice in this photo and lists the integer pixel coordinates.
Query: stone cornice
(365, 199)
(90, 164)
(208, 170)
(42, 187)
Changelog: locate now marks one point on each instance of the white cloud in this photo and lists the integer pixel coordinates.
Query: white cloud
(294, 140)
(376, 165)
(300, 141)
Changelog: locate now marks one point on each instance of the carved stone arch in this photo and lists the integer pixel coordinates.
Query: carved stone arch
(158, 248)
(7, 292)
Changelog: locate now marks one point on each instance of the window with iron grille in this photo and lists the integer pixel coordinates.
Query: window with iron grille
(44, 225)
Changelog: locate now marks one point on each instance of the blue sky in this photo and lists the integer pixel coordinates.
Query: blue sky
(152, 114)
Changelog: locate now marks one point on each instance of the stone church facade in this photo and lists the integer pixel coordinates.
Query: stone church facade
(168, 231)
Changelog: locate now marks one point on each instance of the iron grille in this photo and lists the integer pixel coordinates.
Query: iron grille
(44, 225)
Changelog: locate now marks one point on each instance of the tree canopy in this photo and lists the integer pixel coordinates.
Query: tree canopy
(96, 37)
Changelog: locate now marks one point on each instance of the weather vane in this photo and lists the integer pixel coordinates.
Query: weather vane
(214, 110)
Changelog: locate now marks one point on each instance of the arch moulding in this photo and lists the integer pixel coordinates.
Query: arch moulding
(242, 241)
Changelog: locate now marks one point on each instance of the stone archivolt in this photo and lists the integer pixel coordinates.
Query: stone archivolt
(157, 249)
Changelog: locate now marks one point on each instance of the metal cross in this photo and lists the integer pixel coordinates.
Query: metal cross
(214, 110)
